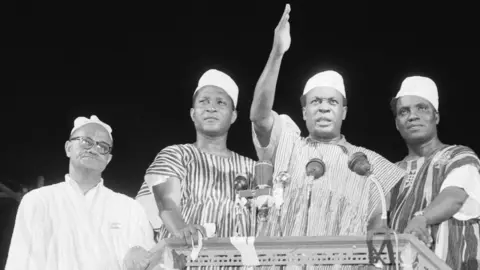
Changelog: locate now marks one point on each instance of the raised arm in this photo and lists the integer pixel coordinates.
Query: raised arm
(261, 110)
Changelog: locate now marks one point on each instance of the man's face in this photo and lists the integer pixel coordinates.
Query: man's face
(213, 111)
(416, 119)
(324, 112)
(88, 148)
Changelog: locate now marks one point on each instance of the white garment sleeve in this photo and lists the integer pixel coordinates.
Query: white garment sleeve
(151, 209)
(28, 245)
(143, 233)
(466, 177)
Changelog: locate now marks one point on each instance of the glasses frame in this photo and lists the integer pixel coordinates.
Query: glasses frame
(93, 143)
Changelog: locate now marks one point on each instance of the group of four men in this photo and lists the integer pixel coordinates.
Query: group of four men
(434, 192)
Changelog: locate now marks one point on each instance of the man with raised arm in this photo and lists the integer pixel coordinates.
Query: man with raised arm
(342, 202)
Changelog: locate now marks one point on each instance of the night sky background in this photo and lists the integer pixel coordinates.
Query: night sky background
(138, 70)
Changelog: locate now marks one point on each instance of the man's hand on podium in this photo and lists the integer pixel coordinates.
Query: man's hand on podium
(190, 234)
(418, 227)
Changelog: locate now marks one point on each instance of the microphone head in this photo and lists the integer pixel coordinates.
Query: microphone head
(359, 164)
(240, 182)
(263, 173)
(316, 168)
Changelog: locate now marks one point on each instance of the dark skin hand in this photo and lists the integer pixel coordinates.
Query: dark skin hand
(442, 208)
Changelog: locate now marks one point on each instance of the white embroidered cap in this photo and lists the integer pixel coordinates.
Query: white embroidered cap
(420, 86)
(219, 79)
(327, 78)
(82, 121)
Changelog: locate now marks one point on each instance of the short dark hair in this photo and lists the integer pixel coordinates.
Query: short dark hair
(195, 95)
(303, 101)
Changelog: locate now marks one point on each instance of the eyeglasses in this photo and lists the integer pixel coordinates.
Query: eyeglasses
(102, 148)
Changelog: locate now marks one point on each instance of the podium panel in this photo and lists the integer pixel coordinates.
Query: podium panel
(317, 251)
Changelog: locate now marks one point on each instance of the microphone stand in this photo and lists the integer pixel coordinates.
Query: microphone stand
(315, 169)
(370, 176)
(384, 229)
(282, 179)
(240, 184)
(360, 165)
(260, 187)
(309, 200)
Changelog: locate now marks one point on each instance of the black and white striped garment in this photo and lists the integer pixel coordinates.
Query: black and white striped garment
(342, 202)
(207, 190)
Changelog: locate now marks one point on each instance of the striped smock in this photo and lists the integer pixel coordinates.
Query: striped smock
(454, 240)
(207, 190)
(342, 202)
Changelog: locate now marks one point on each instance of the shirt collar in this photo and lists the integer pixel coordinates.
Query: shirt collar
(342, 141)
(75, 186)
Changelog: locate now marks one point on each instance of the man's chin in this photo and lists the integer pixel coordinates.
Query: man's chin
(212, 131)
(416, 138)
(93, 165)
(323, 132)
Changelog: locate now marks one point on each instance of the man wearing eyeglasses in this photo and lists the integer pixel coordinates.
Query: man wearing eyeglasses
(80, 223)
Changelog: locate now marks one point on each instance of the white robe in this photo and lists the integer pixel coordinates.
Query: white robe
(58, 228)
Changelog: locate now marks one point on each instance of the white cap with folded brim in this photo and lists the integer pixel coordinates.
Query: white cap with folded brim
(219, 79)
(421, 87)
(82, 121)
(327, 78)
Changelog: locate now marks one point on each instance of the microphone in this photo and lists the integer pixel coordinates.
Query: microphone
(240, 182)
(263, 183)
(315, 169)
(359, 164)
(263, 174)
(259, 193)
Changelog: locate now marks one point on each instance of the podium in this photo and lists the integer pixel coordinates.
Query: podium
(323, 250)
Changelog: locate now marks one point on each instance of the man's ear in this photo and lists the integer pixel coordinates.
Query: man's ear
(109, 158)
(68, 148)
(192, 114)
(234, 117)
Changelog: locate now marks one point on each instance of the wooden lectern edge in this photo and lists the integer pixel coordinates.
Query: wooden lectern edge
(304, 242)
(421, 247)
(266, 242)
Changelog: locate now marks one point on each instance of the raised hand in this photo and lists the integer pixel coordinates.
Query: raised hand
(282, 39)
